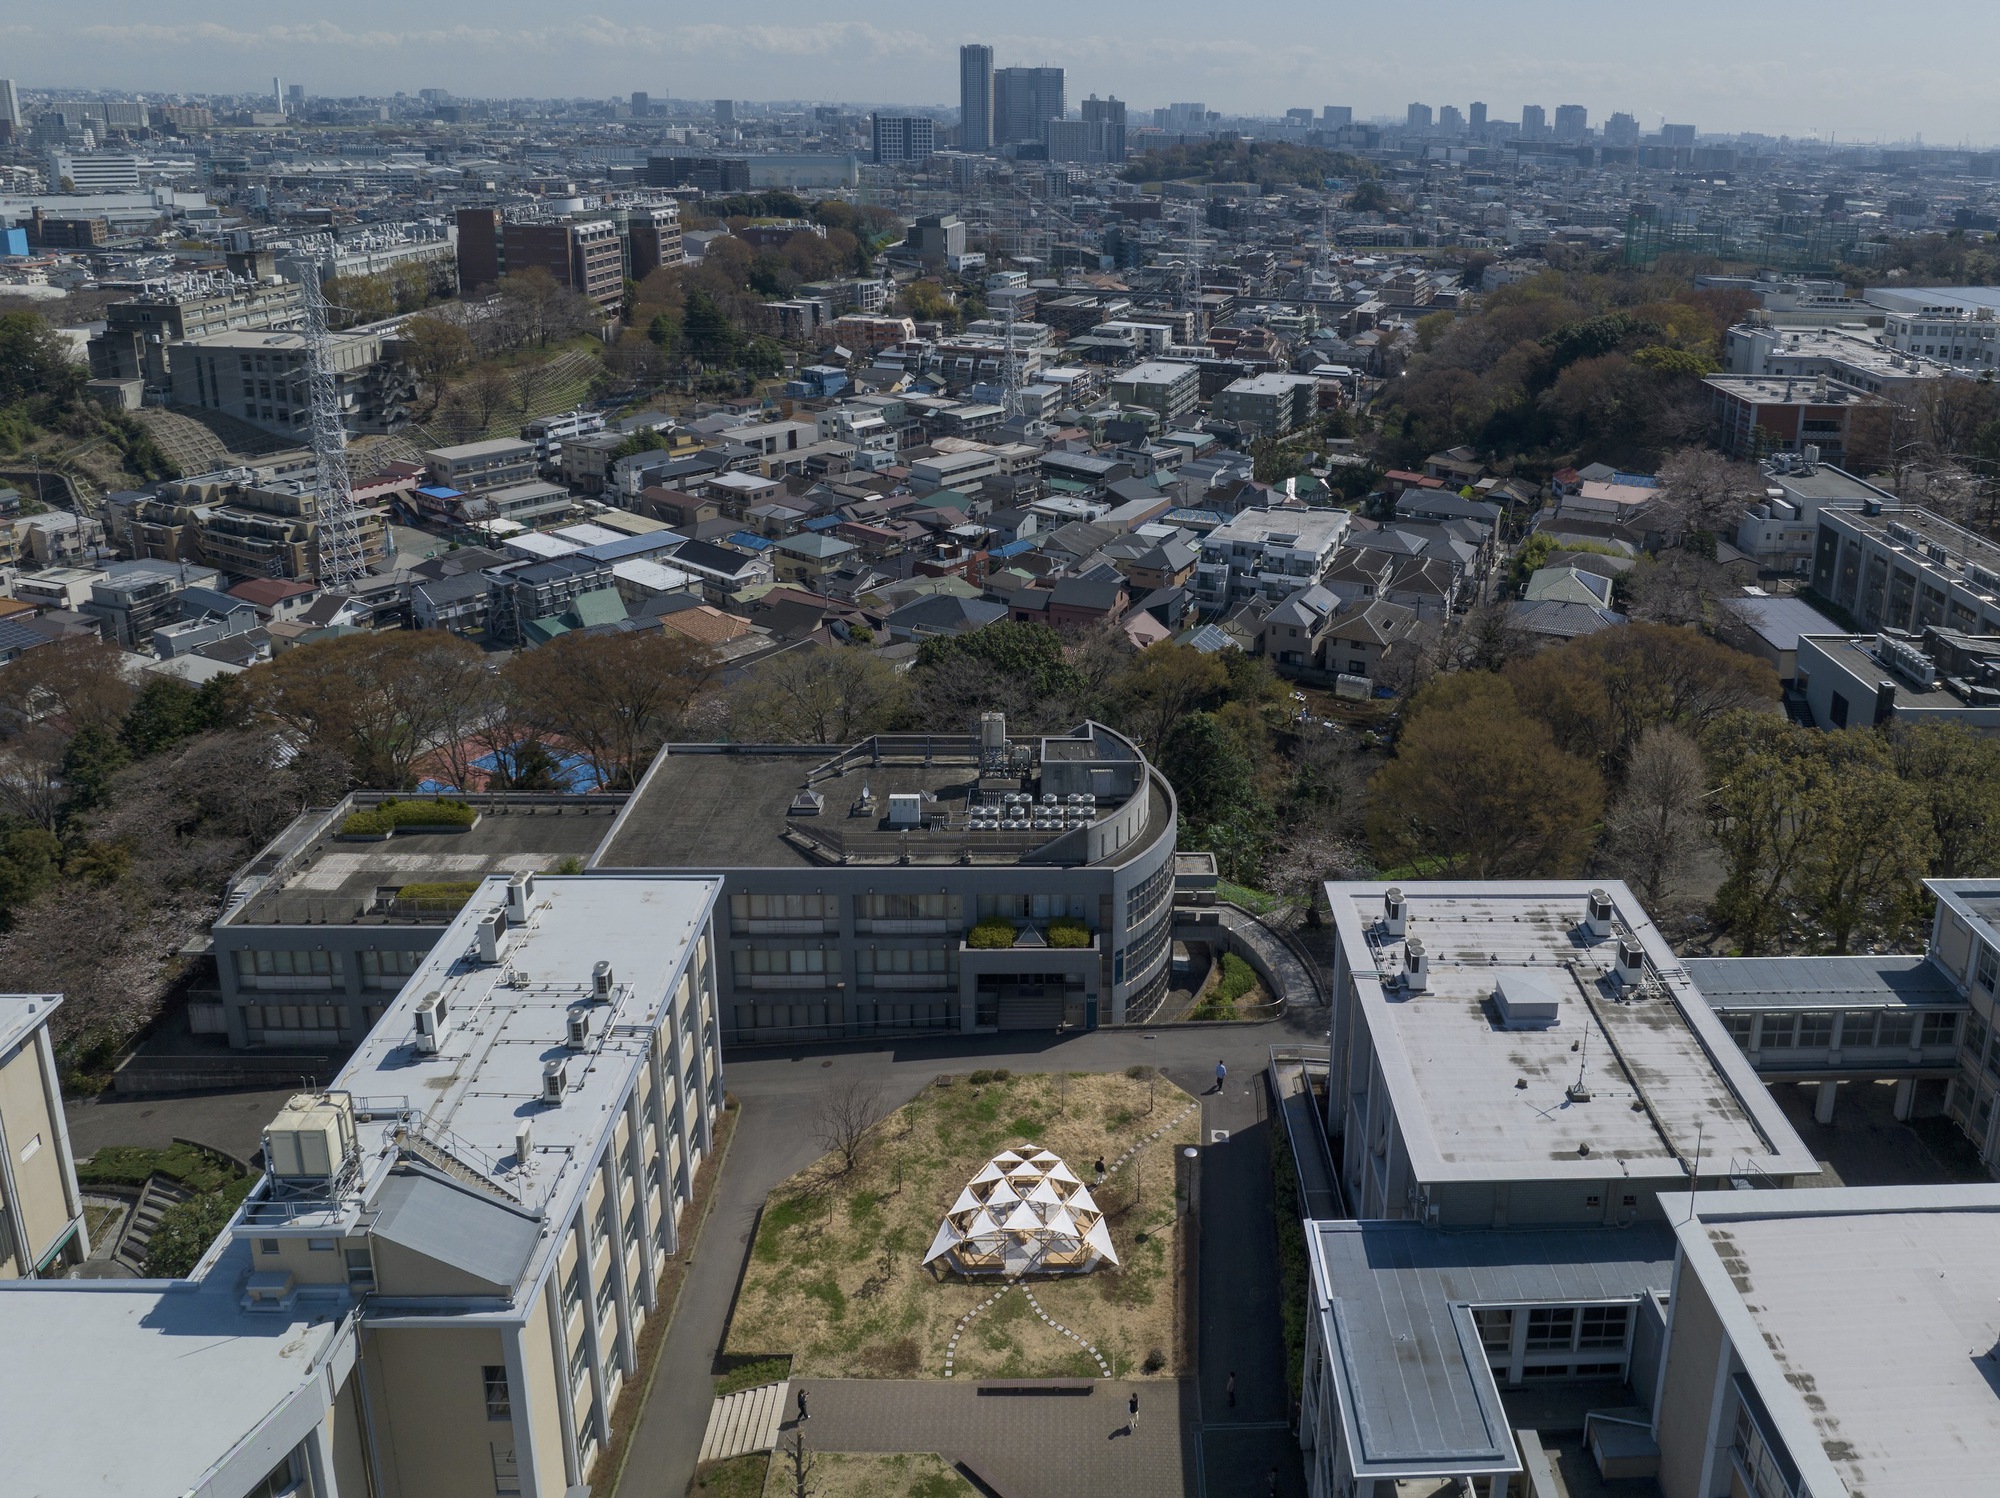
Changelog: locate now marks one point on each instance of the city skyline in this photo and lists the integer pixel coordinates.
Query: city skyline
(1728, 70)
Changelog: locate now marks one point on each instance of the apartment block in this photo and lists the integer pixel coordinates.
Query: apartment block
(586, 254)
(1273, 404)
(438, 1286)
(264, 378)
(42, 1231)
(140, 332)
(1170, 389)
(902, 138)
(1269, 552)
(476, 467)
(1906, 570)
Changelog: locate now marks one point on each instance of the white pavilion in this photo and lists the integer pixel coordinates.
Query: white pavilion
(1024, 1213)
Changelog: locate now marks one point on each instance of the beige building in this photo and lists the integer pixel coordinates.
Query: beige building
(438, 1287)
(41, 1212)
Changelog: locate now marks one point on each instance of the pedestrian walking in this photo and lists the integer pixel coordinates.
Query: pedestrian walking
(1232, 1388)
(1221, 1075)
(1100, 1170)
(1132, 1412)
(803, 1416)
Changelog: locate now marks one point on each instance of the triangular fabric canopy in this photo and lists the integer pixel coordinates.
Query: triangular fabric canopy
(1019, 1210)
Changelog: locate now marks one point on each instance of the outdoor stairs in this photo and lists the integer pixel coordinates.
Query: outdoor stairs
(155, 1197)
(745, 1421)
(442, 1160)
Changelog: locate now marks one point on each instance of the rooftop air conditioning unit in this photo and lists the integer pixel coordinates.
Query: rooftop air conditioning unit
(555, 1082)
(1598, 915)
(524, 1142)
(601, 981)
(579, 1029)
(520, 897)
(1395, 914)
(1416, 965)
(493, 937)
(1631, 964)
(433, 1021)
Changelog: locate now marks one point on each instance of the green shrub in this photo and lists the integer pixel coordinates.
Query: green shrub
(754, 1375)
(992, 933)
(444, 894)
(130, 1165)
(393, 814)
(979, 1078)
(1066, 931)
(184, 1233)
(1237, 979)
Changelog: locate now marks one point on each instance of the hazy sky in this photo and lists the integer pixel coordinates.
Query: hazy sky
(1863, 71)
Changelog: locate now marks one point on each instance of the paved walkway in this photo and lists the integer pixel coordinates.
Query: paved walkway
(1027, 1446)
(779, 1089)
(1297, 983)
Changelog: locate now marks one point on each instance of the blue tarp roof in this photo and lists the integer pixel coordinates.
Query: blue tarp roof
(749, 542)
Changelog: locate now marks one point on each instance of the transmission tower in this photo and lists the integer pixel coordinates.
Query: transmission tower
(340, 561)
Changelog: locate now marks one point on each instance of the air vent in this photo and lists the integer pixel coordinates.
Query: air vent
(1395, 914)
(524, 1143)
(601, 981)
(1631, 967)
(520, 898)
(1417, 965)
(579, 1029)
(555, 1082)
(433, 1021)
(493, 937)
(1598, 914)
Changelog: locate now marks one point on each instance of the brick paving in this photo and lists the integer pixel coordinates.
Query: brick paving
(1027, 1446)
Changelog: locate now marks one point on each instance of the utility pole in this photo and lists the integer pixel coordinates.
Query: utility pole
(339, 523)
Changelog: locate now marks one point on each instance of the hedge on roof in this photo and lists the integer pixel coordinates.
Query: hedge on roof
(1067, 931)
(394, 814)
(445, 894)
(994, 931)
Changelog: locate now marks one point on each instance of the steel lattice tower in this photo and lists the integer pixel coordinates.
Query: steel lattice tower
(340, 561)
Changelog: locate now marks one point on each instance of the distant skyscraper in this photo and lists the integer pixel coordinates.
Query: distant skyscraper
(277, 93)
(725, 111)
(1534, 121)
(1419, 117)
(295, 98)
(903, 137)
(1677, 135)
(10, 105)
(1478, 118)
(1451, 120)
(1336, 116)
(1621, 130)
(1572, 122)
(1110, 115)
(975, 97)
(1025, 99)
(642, 105)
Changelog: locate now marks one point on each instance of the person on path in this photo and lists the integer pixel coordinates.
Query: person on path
(803, 1416)
(1100, 1170)
(1232, 1388)
(1132, 1412)
(1221, 1075)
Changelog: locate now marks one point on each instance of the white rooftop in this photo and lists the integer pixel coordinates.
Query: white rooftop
(132, 1388)
(507, 1019)
(1662, 1075)
(1869, 1320)
(21, 1014)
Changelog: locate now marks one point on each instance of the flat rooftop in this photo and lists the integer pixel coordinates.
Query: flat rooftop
(1853, 653)
(505, 1021)
(1893, 525)
(1476, 1100)
(1782, 390)
(1870, 1322)
(707, 809)
(133, 1386)
(321, 880)
(21, 1014)
(1416, 1388)
(1759, 983)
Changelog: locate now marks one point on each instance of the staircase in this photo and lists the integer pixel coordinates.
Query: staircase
(158, 1194)
(743, 1422)
(442, 1160)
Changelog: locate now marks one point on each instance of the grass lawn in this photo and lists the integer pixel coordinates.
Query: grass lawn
(836, 1279)
(739, 1477)
(842, 1474)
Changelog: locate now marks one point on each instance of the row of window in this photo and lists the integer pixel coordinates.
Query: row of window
(1554, 1329)
(906, 960)
(1145, 896)
(762, 961)
(1858, 1028)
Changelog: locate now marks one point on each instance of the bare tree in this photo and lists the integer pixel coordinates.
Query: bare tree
(1658, 825)
(1700, 490)
(815, 695)
(844, 1115)
(803, 1464)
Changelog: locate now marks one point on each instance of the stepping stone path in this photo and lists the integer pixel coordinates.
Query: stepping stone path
(951, 1347)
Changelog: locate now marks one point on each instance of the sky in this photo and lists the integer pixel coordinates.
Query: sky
(1857, 71)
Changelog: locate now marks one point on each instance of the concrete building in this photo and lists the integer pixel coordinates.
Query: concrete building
(263, 378)
(1864, 681)
(855, 874)
(1906, 570)
(438, 1286)
(42, 1231)
(1269, 552)
(140, 332)
(1273, 404)
(475, 467)
(1764, 414)
(1024, 100)
(1171, 389)
(975, 98)
(1531, 1054)
(1779, 532)
(1954, 325)
(902, 138)
(1844, 354)
(588, 254)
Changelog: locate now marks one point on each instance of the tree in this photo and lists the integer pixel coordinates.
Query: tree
(816, 695)
(802, 1465)
(35, 366)
(1212, 777)
(540, 309)
(613, 697)
(437, 346)
(93, 756)
(380, 700)
(1658, 825)
(707, 334)
(360, 299)
(1164, 684)
(184, 1232)
(842, 1118)
(1480, 790)
(1858, 881)
(1958, 774)
(487, 394)
(1700, 490)
(531, 377)
(75, 681)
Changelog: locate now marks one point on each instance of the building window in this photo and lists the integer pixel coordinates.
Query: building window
(1603, 1327)
(315, 964)
(1989, 967)
(267, 1245)
(760, 961)
(1894, 1029)
(1551, 1329)
(1815, 1031)
(1496, 1330)
(389, 969)
(1838, 711)
(1740, 1027)
(499, 1404)
(1940, 1029)
(1778, 1031)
